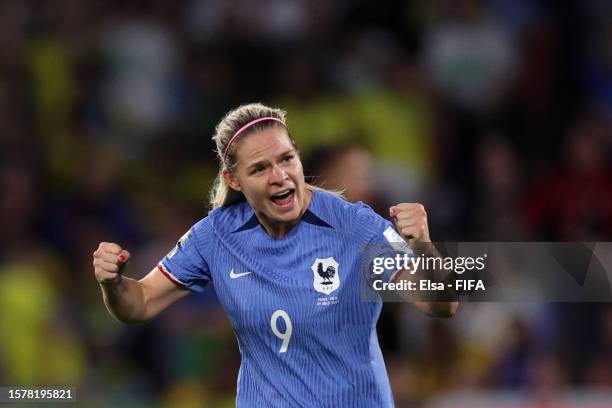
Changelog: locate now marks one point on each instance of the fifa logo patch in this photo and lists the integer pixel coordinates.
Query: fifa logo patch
(326, 277)
(179, 244)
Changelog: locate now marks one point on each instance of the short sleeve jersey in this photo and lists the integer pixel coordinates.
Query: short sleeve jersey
(306, 336)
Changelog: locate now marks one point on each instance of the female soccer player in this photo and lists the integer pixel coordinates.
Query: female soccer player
(284, 259)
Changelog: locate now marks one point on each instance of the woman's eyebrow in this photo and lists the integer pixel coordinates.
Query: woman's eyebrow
(256, 164)
(289, 151)
(264, 161)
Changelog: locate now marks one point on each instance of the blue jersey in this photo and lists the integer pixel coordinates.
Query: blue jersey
(306, 336)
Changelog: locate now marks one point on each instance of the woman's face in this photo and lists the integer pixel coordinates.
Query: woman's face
(270, 175)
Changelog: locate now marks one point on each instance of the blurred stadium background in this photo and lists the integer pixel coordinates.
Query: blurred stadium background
(497, 115)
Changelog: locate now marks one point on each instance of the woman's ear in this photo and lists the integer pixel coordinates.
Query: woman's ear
(231, 180)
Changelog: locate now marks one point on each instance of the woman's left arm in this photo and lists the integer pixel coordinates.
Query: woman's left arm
(411, 222)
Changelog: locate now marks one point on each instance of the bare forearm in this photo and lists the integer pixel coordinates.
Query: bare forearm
(125, 300)
(445, 302)
(438, 302)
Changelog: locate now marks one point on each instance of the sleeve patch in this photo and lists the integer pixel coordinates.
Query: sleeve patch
(396, 241)
(179, 244)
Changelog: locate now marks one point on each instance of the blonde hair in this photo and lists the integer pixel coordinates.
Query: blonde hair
(221, 194)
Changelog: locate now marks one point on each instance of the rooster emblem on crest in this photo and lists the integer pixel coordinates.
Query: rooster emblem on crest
(326, 274)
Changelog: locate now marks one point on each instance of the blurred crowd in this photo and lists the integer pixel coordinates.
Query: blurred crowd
(496, 115)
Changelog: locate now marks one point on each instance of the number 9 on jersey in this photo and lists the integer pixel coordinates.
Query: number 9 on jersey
(286, 336)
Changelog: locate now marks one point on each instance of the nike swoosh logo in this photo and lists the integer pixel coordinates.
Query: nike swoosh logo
(234, 275)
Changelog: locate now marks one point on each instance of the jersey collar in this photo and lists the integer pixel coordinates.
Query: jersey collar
(309, 216)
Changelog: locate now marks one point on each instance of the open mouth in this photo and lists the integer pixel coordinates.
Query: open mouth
(284, 198)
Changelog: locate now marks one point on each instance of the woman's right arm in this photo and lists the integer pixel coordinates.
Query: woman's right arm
(128, 300)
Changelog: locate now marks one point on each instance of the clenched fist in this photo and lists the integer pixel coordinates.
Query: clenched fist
(411, 222)
(108, 261)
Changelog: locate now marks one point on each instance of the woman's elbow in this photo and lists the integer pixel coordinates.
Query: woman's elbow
(443, 309)
(448, 309)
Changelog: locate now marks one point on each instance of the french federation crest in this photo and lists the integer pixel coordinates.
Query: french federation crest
(326, 277)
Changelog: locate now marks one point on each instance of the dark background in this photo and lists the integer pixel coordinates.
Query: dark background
(496, 115)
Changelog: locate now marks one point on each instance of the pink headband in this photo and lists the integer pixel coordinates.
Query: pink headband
(242, 129)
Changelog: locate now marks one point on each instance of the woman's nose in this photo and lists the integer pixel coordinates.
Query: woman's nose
(278, 175)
